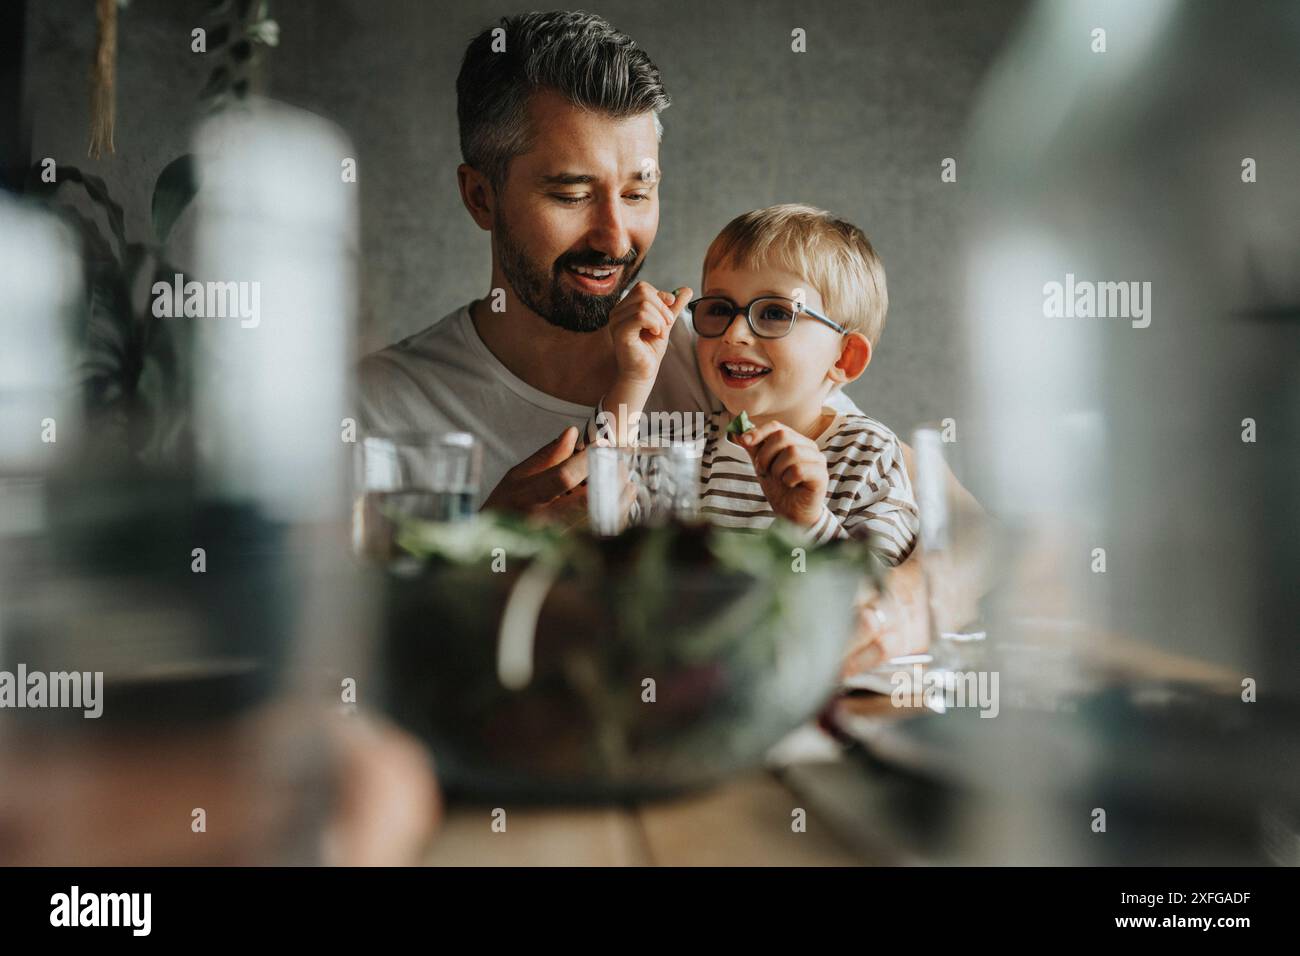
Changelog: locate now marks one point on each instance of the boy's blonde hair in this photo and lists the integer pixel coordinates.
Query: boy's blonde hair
(833, 255)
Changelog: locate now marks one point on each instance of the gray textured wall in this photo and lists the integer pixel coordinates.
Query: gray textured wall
(858, 124)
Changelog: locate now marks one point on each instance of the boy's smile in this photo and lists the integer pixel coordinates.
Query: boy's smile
(739, 371)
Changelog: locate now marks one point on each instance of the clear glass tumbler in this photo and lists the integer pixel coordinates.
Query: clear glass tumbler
(665, 479)
(435, 477)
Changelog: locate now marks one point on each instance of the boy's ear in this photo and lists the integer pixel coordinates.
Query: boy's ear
(855, 356)
(477, 194)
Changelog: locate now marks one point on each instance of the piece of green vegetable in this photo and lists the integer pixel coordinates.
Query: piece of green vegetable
(740, 424)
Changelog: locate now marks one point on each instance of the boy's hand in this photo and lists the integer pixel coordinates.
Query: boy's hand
(791, 470)
(640, 326)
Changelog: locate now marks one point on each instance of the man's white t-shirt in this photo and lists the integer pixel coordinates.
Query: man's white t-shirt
(445, 379)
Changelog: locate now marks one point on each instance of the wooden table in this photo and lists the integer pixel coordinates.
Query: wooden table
(746, 821)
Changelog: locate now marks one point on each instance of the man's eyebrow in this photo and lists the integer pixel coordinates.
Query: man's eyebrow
(567, 179)
(583, 179)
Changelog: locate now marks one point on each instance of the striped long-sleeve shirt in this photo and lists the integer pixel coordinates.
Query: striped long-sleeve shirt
(868, 494)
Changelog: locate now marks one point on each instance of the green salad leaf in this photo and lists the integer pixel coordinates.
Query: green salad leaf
(469, 542)
(740, 424)
(641, 554)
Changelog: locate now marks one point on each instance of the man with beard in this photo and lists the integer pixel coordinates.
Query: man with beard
(559, 131)
(560, 136)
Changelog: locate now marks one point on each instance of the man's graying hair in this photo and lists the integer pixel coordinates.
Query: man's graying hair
(579, 55)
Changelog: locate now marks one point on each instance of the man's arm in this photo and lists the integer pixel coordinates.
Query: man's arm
(897, 623)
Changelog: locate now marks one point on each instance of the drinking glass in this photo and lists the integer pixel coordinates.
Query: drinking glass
(607, 475)
(433, 476)
(953, 644)
(665, 479)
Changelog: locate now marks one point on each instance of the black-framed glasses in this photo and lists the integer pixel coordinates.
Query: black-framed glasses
(768, 316)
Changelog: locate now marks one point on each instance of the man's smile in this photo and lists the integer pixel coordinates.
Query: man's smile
(594, 280)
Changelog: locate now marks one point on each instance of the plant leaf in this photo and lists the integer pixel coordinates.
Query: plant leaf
(740, 424)
(95, 189)
(98, 191)
(177, 185)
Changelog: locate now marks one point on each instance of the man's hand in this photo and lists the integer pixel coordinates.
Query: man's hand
(570, 511)
(640, 326)
(551, 472)
(791, 470)
(567, 512)
(891, 624)
(898, 622)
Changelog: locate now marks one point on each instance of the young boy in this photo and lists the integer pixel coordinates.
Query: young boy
(793, 304)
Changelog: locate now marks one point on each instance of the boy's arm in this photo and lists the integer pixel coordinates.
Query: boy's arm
(619, 412)
(640, 327)
(885, 510)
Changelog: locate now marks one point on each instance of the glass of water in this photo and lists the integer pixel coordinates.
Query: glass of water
(954, 644)
(607, 477)
(665, 480)
(433, 476)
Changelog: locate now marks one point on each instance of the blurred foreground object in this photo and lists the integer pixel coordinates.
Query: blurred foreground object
(598, 668)
(274, 785)
(277, 226)
(41, 295)
(211, 593)
(1114, 435)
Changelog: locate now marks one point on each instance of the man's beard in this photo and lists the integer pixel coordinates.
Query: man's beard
(548, 296)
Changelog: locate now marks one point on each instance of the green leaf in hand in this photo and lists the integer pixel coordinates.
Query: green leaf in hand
(740, 424)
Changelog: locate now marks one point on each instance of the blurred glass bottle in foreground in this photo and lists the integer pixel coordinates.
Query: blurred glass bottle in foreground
(1133, 219)
(209, 590)
(41, 288)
